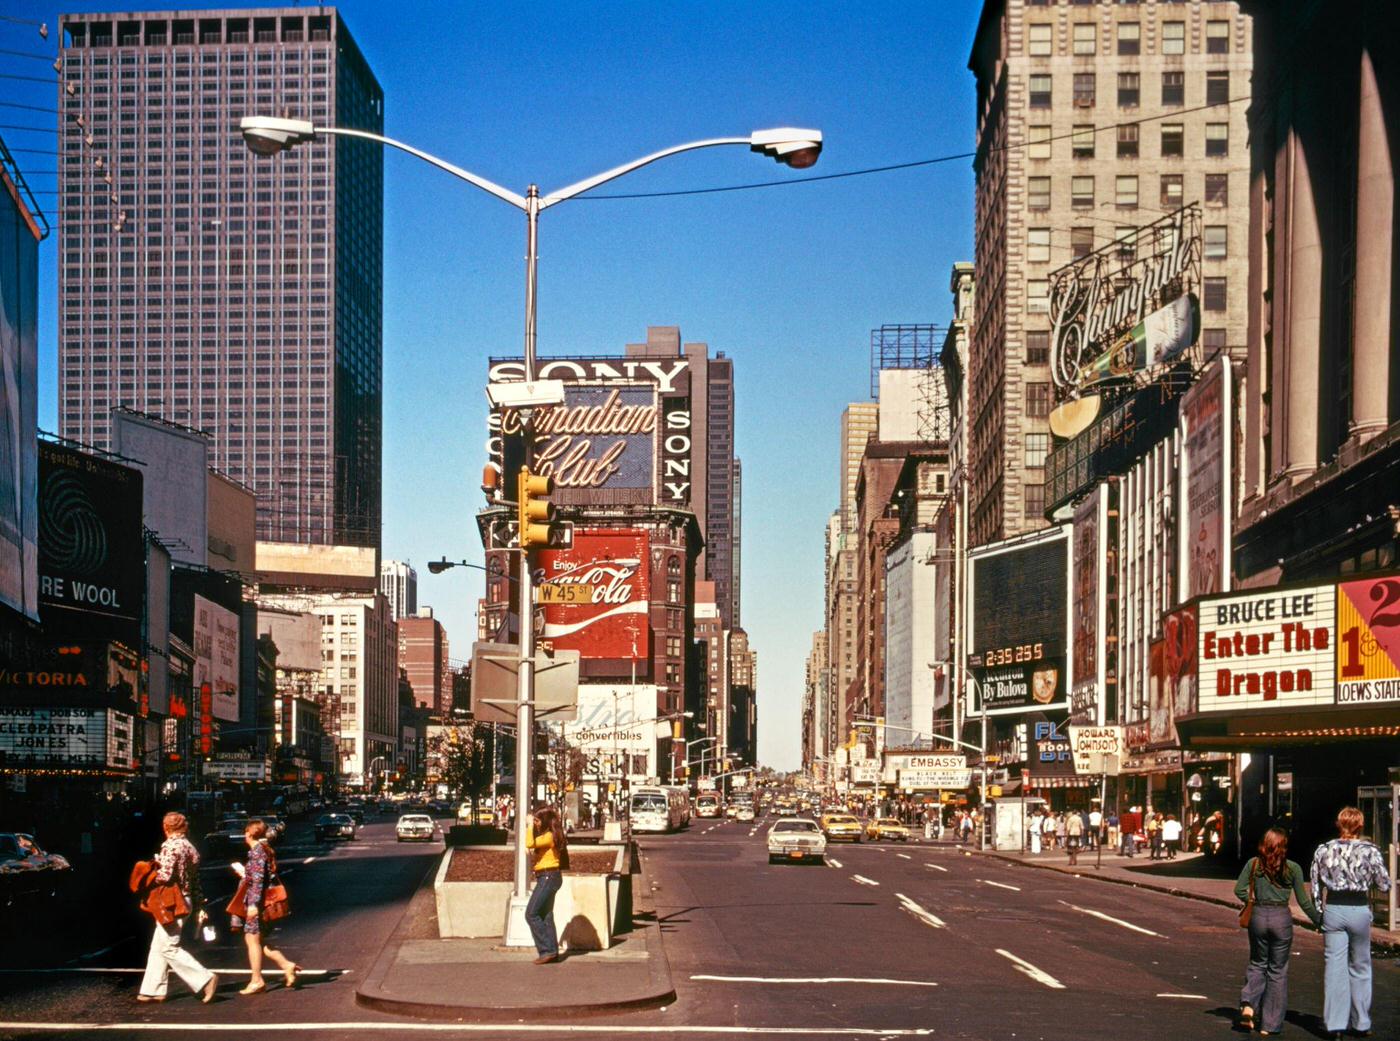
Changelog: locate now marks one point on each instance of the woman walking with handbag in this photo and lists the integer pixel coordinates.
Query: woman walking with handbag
(260, 900)
(177, 865)
(1264, 887)
(1346, 869)
(544, 833)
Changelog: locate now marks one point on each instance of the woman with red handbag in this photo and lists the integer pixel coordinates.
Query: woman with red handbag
(171, 889)
(260, 900)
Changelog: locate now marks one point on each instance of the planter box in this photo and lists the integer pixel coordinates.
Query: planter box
(469, 909)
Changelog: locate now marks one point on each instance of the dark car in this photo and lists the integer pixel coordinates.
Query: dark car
(226, 840)
(335, 826)
(26, 871)
(357, 813)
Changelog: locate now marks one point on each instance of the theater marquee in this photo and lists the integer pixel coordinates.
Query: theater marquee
(1269, 649)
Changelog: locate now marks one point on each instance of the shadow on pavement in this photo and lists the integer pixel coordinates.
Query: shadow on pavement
(1196, 867)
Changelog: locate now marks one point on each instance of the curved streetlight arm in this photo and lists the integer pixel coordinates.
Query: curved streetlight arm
(565, 194)
(504, 194)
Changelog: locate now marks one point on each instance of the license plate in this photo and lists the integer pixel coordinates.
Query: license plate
(795, 854)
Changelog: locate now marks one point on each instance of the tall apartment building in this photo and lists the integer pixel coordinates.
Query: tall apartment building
(710, 636)
(423, 657)
(1093, 119)
(399, 584)
(742, 728)
(842, 602)
(240, 296)
(859, 422)
(814, 703)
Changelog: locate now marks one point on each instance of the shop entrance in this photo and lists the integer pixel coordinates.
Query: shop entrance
(1380, 805)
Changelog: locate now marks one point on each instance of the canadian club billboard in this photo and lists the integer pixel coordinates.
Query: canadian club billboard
(622, 436)
(610, 619)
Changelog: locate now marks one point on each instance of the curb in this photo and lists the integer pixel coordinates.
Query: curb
(659, 991)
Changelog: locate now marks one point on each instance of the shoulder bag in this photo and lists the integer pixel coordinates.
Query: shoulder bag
(1248, 913)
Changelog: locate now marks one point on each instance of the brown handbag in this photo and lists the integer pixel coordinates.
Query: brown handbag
(1247, 914)
(275, 902)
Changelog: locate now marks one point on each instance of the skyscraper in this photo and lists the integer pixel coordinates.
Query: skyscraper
(399, 583)
(239, 296)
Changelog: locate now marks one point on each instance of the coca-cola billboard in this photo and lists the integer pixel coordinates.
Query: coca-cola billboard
(612, 621)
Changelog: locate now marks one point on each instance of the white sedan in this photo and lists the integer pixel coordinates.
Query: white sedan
(416, 826)
(799, 839)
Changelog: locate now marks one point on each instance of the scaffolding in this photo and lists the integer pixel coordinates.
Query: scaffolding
(915, 347)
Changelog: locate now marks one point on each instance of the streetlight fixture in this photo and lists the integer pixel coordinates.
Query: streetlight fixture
(797, 148)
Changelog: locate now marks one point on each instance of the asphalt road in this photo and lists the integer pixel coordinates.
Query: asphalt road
(883, 941)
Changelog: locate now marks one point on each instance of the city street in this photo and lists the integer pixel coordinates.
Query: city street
(886, 940)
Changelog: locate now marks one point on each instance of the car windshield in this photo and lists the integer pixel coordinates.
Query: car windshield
(799, 826)
(417, 818)
(648, 804)
(888, 821)
(841, 818)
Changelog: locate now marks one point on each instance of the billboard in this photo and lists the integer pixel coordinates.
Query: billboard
(614, 718)
(1050, 753)
(1087, 615)
(19, 396)
(1204, 532)
(611, 621)
(1267, 649)
(622, 435)
(1368, 641)
(1019, 625)
(66, 737)
(216, 656)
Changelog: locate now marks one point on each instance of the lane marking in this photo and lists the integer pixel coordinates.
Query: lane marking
(937, 867)
(817, 979)
(864, 881)
(1189, 997)
(904, 856)
(1039, 975)
(1115, 921)
(833, 862)
(999, 885)
(922, 913)
(65, 970)
(241, 1027)
(308, 860)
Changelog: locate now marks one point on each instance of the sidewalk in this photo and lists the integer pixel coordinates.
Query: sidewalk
(1191, 875)
(418, 974)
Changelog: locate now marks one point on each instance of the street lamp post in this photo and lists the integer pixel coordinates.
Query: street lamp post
(797, 148)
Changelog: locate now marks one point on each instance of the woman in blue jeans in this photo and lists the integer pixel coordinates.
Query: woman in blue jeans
(1273, 879)
(544, 833)
(1347, 868)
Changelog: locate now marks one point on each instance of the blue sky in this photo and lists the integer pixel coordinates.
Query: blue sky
(788, 281)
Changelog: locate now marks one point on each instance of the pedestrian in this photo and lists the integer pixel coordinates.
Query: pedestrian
(1266, 882)
(1095, 826)
(250, 905)
(1062, 827)
(1074, 834)
(964, 828)
(1154, 835)
(1213, 837)
(1171, 835)
(544, 833)
(1347, 868)
(1034, 829)
(177, 864)
(1128, 826)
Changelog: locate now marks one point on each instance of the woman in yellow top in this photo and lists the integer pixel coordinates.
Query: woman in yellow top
(544, 834)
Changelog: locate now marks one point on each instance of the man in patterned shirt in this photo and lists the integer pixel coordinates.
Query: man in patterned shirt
(1344, 871)
(177, 863)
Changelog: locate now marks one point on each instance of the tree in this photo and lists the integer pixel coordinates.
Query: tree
(463, 755)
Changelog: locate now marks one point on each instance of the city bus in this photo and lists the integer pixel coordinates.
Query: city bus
(657, 809)
(707, 804)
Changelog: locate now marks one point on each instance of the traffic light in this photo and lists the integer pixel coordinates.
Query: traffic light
(535, 509)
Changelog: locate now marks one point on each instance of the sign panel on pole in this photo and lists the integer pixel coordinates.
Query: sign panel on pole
(1097, 749)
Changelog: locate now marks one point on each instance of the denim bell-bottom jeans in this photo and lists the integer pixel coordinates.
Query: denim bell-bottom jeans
(1266, 979)
(539, 912)
(1346, 974)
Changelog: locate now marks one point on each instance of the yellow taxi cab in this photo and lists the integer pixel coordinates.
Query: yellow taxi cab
(886, 829)
(838, 827)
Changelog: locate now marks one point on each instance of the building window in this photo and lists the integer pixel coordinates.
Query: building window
(1217, 88)
(1085, 38)
(1171, 191)
(1174, 88)
(1126, 240)
(1129, 89)
(1217, 139)
(1081, 242)
(1037, 400)
(1082, 142)
(1035, 500)
(1128, 141)
(1039, 90)
(1173, 140)
(1129, 38)
(1084, 89)
(1037, 296)
(1038, 193)
(1213, 340)
(1037, 448)
(1215, 242)
(1217, 189)
(1038, 245)
(1038, 347)
(1125, 195)
(1081, 192)
(1039, 39)
(1038, 143)
(1213, 295)
(1173, 37)
(1217, 37)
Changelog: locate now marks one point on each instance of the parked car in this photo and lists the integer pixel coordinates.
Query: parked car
(335, 826)
(886, 829)
(226, 839)
(841, 827)
(798, 839)
(413, 826)
(26, 871)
